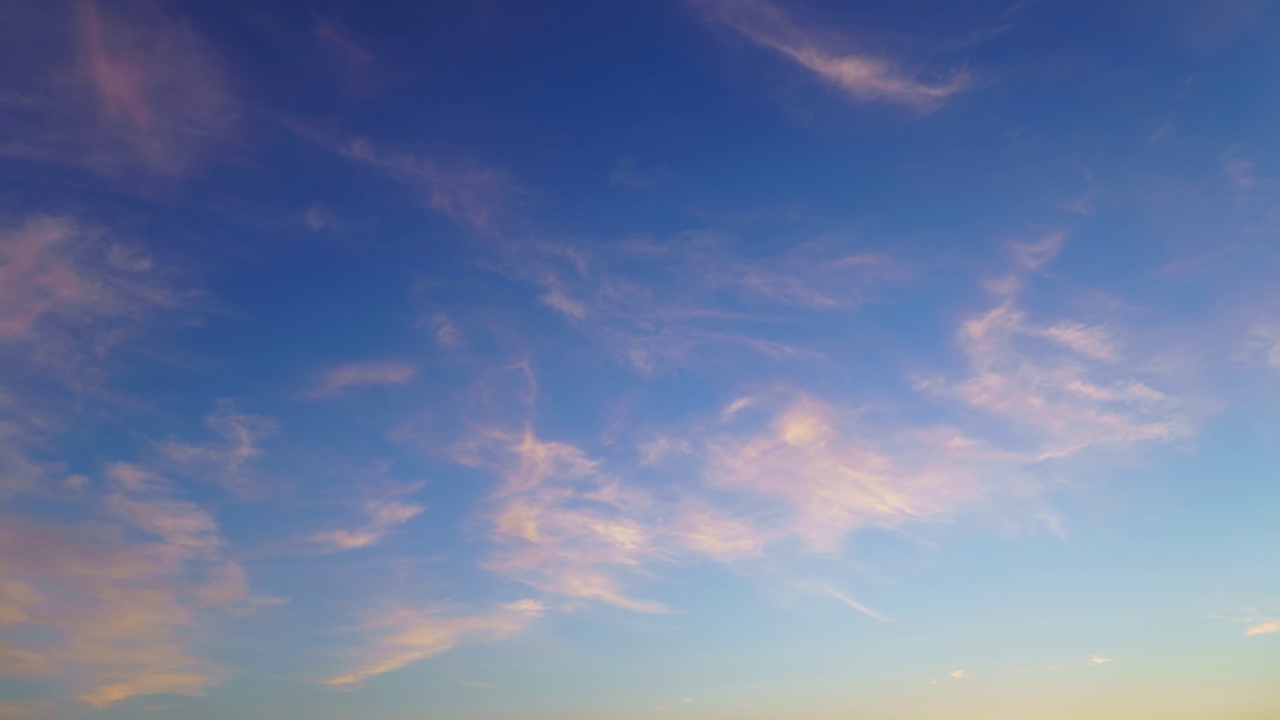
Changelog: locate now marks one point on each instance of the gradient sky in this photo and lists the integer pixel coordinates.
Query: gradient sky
(690, 359)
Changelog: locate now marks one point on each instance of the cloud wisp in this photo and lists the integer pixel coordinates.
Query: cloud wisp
(863, 77)
(228, 461)
(110, 614)
(714, 297)
(407, 636)
(146, 93)
(358, 375)
(384, 517)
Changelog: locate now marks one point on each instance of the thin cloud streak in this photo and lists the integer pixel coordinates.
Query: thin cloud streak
(384, 516)
(865, 78)
(362, 375)
(407, 636)
(856, 605)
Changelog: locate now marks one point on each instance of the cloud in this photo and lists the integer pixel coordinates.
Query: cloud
(109, 603)
(1263, 346)
(1239, 171)
(336, 40)
(625, 175)
(717, 535)
(318, 218)
(863, 77)
(25, 710)
(223, 462)
(384, 516)
(712, 297)
(856, 605)
(406, 636)
(958, 674)
(1099, 660)
(831, 481)
(562, 526)
(363, 375)
(1061, 398)
(1037, 254)
(57, 278)
(1264, 628)
(446, 330)
(470, 196)
(146, 92)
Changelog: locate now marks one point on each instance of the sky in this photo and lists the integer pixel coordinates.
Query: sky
(694, 359)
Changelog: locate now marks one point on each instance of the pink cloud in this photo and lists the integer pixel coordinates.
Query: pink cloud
(384, 516)
(120, 79)
(35, 279)
(120, 88)
(864, 77)
(407, 636)
(470, 196)
(108, 603)
(834, 480)
(363, 375)
(70, 287)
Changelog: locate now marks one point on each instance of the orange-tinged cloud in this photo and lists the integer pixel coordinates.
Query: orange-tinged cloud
(1266, 628)
(407, 636)
(110, 612)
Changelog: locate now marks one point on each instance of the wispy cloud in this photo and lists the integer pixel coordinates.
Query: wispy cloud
(1269, 627)
(57, 277)
(113, 614)
(469, 195)
(713, 296)
(863, 76)
(1062, 396)
(384, 516)
(335, 39)
(834, 480)
(148, 93)
(226, 461)
(1099, 660)
(564, 527)
(363, 375)
(406, 636)
(856, 605)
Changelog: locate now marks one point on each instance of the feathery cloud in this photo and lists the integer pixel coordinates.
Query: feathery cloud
(856, 605)
(384, 516)
(363, 375)
(864, 77)
(406, 636)
(146, 94)
(470, 196)
(109, 604)
(226, 462)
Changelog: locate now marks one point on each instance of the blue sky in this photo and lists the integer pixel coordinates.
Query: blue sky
(688, 358)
